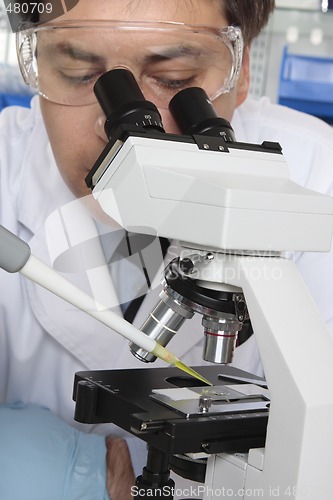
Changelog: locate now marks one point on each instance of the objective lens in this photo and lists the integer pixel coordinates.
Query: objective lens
(220, 338)
(162, 324)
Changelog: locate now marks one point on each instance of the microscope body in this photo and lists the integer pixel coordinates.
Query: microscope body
(236, 203)
(236, 212)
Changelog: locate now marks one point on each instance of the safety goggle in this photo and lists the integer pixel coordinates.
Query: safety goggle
(62, 61)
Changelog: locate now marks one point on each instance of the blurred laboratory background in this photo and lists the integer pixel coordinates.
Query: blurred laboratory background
(291, 61)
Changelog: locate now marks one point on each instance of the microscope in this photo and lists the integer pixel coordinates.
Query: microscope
(236, 213)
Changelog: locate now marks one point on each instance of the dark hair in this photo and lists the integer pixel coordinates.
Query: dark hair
(251, 16)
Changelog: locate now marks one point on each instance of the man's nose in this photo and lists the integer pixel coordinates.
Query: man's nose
(99, 128)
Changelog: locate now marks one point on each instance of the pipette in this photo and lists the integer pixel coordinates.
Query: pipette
(15, 256)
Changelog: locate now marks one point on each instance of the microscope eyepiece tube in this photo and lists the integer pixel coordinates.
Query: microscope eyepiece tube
(194, 113)
(122, 102)
(115, 89)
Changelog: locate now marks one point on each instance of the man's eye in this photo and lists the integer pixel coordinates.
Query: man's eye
(174, 83)
(81, 79)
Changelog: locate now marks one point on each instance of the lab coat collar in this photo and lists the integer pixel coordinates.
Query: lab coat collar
(238, 125)
(35, 198)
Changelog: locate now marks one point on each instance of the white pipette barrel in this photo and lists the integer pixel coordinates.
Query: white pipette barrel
(40, 273)
(15, 256)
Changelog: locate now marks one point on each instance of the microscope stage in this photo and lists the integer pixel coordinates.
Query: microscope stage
(227, 417)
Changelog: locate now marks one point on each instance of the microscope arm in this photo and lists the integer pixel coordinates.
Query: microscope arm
(296, 352)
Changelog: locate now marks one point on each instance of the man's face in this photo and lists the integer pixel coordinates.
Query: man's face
(76, 132)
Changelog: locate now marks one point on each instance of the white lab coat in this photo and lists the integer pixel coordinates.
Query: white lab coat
(43, 340)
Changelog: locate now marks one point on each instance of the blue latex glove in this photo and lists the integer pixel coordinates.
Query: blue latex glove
(42, 458)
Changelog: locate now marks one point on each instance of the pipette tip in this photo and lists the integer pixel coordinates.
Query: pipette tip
(170, 358)
(191, 372)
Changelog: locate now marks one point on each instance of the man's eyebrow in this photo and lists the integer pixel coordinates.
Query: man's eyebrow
(174, 52)
(69, 50)
(160, 54)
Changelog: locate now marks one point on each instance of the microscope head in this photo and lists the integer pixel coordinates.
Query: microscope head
(215, 195)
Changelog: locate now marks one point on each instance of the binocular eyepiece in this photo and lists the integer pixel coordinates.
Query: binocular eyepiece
(122, 102)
